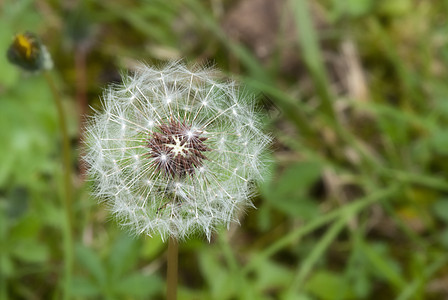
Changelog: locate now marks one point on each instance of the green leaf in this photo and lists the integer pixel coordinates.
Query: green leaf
(18, 201)
(381, 262)
(92, 263)
(27, 227)
(356, 271)
(264, 221)
(439, 141)
(270, 275)
(152, 248)
(31, 251)
(51, 214)
(440, 209)
(351, 8)
(83, 287)
(290, 192)
(123, 256)
(28, 113)
(328, 285)
(6, 265)
(9, 74)
(298, 177)
(395, 8)
(219, 280)
(139, 285)
(443, 238)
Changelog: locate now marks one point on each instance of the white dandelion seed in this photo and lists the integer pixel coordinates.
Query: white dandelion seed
(175, 151)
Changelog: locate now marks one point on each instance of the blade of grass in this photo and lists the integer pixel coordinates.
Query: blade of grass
(248, 60)
(312, 55)
(144, 19)
(383, 267)
(410, 289)
(298, 233)
(259, 77)
(417, 179)
(307, 265)
(289, 106)
(234, 266)
(409, 80)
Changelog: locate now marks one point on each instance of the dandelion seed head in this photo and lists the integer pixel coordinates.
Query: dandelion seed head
(175, 151)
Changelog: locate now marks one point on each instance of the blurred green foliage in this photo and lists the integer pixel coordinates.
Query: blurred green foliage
(356, 207)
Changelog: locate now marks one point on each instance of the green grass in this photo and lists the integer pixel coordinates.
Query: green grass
(356, 207)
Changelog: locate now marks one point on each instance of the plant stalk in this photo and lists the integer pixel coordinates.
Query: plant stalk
(68, 191)
(171, 276)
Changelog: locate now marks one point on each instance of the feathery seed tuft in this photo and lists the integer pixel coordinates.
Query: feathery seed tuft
(175, 150)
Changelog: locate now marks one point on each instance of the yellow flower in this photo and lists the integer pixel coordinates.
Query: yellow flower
(27, 52)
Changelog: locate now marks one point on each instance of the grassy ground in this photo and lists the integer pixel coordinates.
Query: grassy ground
(357, 207)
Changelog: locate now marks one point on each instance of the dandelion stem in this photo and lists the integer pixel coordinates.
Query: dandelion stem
(67, 202)
(171, 276)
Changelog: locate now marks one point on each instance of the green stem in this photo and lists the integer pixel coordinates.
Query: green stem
(317, 252)
(429, 181)
(67, 203)
(171, 275)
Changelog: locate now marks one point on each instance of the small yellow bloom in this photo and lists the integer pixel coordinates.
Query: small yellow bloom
(24, 44)
(27, 52)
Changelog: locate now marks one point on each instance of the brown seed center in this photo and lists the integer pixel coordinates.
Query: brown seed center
(177, 149)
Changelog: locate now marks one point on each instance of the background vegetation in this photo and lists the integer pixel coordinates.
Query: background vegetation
(357, 206)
